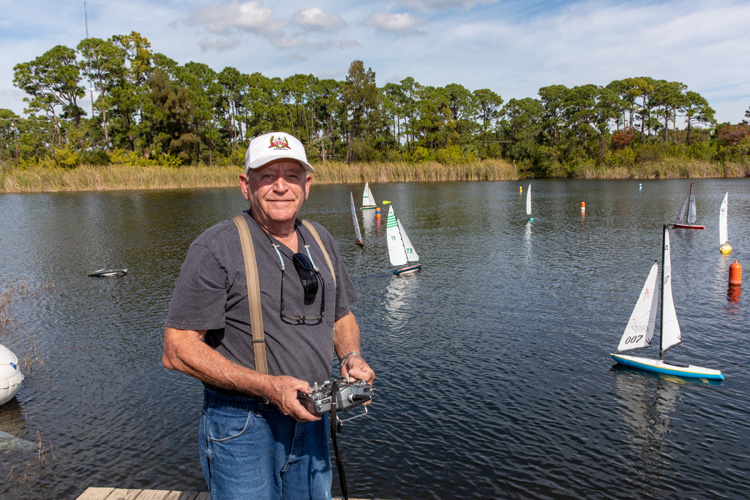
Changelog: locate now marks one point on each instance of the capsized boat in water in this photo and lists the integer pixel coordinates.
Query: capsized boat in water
(102, 273)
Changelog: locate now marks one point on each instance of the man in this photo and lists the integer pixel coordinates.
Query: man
(256, 440)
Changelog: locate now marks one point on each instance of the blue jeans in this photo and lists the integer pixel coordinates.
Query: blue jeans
(250, 450)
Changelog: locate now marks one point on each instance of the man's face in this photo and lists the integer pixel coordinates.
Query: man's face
(276, 191)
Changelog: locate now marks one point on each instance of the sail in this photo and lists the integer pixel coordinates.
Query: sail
(670, 327)
(640, 329)
(357, 233)
(723, 233)
(681, 213)
(691, 209)
(411, 254)
(396, 250)
(528, 200)
(367, 199)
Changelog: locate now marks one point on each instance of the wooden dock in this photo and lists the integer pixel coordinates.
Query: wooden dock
(121, 494)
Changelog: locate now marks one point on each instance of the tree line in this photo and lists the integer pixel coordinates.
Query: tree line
(148, 109)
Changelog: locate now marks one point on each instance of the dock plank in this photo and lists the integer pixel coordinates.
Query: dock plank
(97, 493)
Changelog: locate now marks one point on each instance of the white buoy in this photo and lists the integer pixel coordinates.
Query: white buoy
(10, 375)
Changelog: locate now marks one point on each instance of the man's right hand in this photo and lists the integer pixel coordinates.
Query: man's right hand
(282, 392)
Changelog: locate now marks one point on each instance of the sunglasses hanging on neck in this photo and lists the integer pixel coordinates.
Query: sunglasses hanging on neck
(310, 279)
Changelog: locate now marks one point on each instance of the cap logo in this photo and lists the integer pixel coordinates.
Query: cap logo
(280, 144)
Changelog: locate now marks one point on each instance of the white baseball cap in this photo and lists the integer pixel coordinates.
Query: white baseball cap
(275, 146)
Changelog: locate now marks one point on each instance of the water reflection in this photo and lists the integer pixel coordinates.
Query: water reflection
(397, 299)
(648, 403)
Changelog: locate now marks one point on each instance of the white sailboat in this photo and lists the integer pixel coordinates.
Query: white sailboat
(368, 200)
(688, 205)
(357, 232)
(640, 330)
(725, 247)
(400, 250)
(528, 202)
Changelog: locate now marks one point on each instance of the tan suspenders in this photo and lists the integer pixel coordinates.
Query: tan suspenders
(253, 287)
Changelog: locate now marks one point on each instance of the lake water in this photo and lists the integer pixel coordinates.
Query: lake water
(493, 372)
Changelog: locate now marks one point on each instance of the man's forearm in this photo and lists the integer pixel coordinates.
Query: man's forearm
(346, 336)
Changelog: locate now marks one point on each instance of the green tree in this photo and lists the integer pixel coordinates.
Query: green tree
(361, 98)
(521, 128)
(668, 97)
(131, 103)
(488, 110)
(9, 135)
(104, 64)
(52, 80)
(553, 101)
(696, 110)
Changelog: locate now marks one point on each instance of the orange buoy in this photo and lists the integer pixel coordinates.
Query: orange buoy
(735, 273)
(377, 212)
(583, 206)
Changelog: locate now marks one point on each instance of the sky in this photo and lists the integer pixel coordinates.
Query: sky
(511, 47)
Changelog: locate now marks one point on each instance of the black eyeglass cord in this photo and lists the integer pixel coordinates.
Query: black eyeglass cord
(335, 429)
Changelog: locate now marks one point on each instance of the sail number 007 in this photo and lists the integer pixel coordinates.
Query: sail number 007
(634, 339)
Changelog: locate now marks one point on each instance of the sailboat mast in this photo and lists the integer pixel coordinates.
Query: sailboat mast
(661, 294)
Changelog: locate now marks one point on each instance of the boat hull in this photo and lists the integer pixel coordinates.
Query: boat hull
(660, 366)
(407, 270)
(369, 207)
(10, 375)
(688, 226)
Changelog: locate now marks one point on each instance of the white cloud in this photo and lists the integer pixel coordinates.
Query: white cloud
(439, 5)
(226, 18)
(315, 19)
(221, 44)
(403, 23)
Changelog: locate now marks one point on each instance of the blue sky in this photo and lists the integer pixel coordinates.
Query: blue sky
(511, 47)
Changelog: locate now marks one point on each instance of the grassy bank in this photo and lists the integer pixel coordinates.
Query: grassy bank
(92, 178)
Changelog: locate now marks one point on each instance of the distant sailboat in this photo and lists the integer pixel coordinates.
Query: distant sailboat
(640, 330)
(368, 200)
(725, 247)
(357, 232)
(688, 205)
(528, 202)
(400, 250)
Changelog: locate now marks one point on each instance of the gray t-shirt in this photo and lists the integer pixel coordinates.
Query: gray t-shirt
(211, 294)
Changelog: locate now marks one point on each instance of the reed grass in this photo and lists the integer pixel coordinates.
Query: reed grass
(114, 177)
(669, 168)
(91, 178)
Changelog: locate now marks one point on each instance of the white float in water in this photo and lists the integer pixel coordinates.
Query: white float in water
(10, 375)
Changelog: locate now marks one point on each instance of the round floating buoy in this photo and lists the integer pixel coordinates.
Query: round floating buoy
(726, 249)
(735, 273)
(10, 375)
(520, 189)
(583, 206)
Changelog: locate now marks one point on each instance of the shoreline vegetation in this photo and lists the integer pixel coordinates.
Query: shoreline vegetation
(124, 177)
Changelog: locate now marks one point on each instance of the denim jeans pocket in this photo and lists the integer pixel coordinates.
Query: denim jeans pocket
(225, 423)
